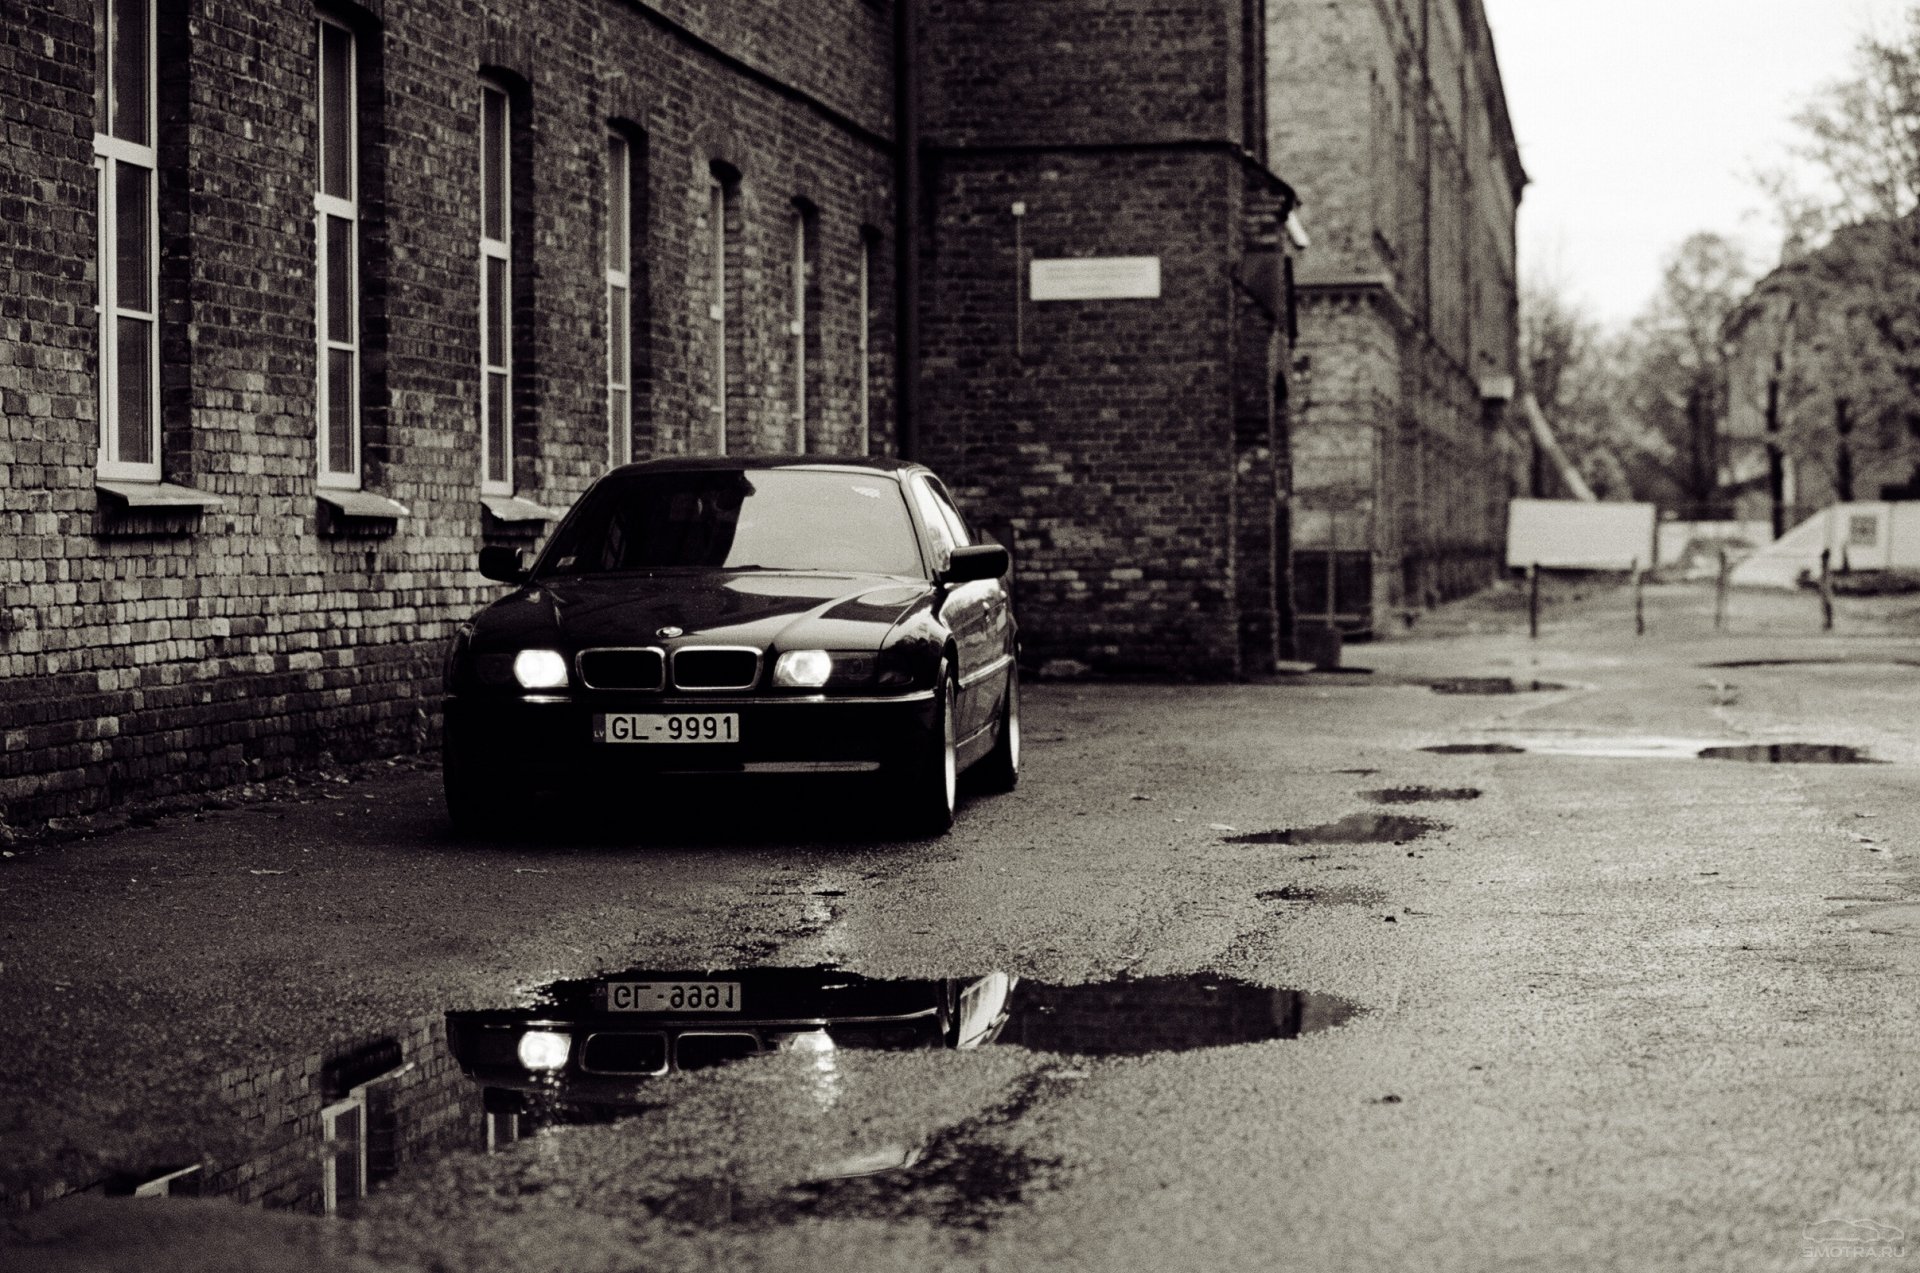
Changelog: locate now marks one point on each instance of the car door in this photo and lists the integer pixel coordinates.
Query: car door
(987, 617)
(964, 610)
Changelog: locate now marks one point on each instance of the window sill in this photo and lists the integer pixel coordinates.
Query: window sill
(129, 508)
(358, 514)
(513, 511)
(157, 495)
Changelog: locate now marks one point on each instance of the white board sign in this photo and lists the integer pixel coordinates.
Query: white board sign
(1095, 278)
(1572, 534)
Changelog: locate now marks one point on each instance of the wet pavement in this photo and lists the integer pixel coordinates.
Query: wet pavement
(1624, 1009)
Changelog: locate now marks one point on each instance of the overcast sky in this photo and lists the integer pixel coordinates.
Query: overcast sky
(1641, 121)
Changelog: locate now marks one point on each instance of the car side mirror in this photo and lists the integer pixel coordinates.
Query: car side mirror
(981, 561)
(506, 565)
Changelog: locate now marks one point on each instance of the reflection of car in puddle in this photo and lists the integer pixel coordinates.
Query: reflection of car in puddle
(599, 1040)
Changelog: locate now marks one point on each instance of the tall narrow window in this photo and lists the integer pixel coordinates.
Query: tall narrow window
(797, 328)
(717, 307)
(864, 442)
(127, 249)
(336, 219)
(806, 327)
(619, 300)
(496, 294)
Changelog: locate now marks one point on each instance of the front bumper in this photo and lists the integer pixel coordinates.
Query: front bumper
(551, 736)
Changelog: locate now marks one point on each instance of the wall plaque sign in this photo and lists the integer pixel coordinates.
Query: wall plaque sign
(1096, 278)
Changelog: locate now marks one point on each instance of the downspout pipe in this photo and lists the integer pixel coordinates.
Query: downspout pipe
(908, 198)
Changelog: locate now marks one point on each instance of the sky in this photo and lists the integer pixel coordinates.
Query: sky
(1643, 121)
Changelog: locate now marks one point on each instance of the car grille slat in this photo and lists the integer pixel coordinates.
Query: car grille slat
(623, 669)
(717, 668)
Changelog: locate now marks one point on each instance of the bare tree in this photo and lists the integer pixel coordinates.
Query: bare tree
(1677, 384)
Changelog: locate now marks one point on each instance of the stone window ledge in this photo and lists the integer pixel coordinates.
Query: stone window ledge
(512, 510)
(163, 496)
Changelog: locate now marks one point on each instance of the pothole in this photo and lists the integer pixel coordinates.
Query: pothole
(1475, 749)
(1790, 754)
(1491, 685)
(1355, 828)
(1420, 795)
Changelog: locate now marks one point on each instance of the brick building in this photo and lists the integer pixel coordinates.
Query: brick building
(304, 303)
(1103, 306)
(1390, 117)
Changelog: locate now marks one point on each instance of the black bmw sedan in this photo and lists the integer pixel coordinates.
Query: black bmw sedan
(765, 615)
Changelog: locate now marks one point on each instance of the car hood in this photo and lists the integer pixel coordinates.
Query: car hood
(717, 607)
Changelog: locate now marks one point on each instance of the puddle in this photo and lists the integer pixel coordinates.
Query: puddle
(1475, 749)
(1302, 895)
(1420, 795)
(1491, 685)
(598, 1039)
(1867, 665)
(596, 1052)
(1355, 828)
(1790, 754)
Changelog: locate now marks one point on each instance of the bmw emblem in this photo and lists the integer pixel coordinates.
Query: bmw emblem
(669, 632)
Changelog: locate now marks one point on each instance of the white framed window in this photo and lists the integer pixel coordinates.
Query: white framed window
(127, 255)
(619, 299)
(343, 1156)
(717, 308)
(864, 288)
(797, 328)
(496, 292)
(336, 224)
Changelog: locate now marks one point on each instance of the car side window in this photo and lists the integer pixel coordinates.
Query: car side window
(938, 527)
(955, 523)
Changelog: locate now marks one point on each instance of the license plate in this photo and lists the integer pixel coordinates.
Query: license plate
(673, 996)
(678, 727)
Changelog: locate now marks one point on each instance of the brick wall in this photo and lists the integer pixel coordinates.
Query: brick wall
(1100, 434)
(144, 654)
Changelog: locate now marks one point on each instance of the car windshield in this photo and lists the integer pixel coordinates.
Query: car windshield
(729, 519)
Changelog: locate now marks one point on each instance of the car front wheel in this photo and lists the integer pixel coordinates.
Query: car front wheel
(930, 780)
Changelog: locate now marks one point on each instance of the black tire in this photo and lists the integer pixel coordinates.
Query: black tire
(929, 782)
(476, 795)
(999, 769)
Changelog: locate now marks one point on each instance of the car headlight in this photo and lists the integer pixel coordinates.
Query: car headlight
(543, 1050)
(803, 669)
(540, 669)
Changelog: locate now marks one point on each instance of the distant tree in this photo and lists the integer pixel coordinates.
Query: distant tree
(1859, 147)
(1571, 366)
(1676, 364)
(1849, 283)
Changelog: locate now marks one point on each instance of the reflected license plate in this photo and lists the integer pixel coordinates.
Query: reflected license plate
(675, 727)
(673, 996)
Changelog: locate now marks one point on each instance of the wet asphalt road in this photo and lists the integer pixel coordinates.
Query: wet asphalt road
(1622, 1009)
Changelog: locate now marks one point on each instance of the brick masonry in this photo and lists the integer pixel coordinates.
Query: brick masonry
(1101, 435)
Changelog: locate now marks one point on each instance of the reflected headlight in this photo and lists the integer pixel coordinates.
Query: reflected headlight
(810, 1042)
(803, 669)
(543, 1050)
(540, 669)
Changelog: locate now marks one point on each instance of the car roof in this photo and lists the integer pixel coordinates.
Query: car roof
(875, 464)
